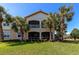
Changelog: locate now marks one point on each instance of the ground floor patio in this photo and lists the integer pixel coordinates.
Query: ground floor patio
(39, 35)
(30, 35)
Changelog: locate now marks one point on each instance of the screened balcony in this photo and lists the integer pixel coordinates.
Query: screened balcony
(34, 24)
(33, 35)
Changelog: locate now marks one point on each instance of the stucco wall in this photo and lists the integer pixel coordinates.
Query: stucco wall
(39, 17)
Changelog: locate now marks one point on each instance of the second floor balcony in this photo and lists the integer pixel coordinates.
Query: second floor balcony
(34, 24)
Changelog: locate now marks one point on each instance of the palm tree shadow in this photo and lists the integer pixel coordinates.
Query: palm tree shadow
(70, 41)
(20, 43)
(17, 43)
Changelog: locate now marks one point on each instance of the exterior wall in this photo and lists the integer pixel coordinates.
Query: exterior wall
(7, 34)
(25, 36)
(13, 35)
(5, 26)
(38, 17)
(8, 31)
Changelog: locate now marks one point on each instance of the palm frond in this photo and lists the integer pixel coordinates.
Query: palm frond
(69, 16)
(26, 27)
(2, 10)
(15, 27)
(8, 18)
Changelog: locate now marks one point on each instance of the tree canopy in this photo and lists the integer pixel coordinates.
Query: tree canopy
(75, 33)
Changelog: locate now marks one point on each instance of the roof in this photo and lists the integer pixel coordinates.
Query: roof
(36, 13)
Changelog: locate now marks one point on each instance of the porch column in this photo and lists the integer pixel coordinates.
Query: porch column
(40, 35)
(40, 30)
(26, 35)
(40, 24)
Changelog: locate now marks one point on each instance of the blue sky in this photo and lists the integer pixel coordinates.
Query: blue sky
(24, 9)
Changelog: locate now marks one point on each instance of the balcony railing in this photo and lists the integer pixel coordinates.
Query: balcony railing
(34, 38)
(34, 26)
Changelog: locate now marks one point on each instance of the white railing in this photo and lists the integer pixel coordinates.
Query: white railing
(34, 38)
(34, 26)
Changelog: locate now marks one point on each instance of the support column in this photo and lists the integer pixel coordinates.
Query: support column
(40, 30)
(40, 35)
(27, 36)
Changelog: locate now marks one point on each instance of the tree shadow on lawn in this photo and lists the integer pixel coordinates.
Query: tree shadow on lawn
(17, 42)
(70, 41)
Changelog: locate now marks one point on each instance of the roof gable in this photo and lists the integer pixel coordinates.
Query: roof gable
(36, 13)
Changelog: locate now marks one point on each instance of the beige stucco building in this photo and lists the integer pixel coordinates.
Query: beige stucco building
(37, 30)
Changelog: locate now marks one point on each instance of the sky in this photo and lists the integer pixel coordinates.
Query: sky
(24, 9)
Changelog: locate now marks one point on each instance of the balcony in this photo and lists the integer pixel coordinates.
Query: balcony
(34, 24)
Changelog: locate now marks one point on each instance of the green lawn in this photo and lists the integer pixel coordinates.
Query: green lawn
(47, 48)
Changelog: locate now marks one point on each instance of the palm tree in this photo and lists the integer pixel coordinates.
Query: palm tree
(66, 14)
(50, 23)
(57, 27)
(4, 16)
(19, 24)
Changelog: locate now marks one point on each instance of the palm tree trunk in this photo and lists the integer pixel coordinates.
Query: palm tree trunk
(50, 36)
(53, 32)
(74, 38)
(22, 34)
(1, 32)
(62, 27)
(53, 35)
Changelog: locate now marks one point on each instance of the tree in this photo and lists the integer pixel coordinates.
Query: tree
(66, 14)
(50, 23)
(4, 16)
(57, 27)
(19, 24)
(75, 33)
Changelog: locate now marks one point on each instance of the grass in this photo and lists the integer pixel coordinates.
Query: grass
(37, 48)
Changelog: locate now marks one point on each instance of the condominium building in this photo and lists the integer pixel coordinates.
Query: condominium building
(37, 28)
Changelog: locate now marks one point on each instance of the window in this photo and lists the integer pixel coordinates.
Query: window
(6, 24)
(19, 35)
(6, 35)
(13, 23)
(34, 24)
